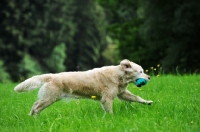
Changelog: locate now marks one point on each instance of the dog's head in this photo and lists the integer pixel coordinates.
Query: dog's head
(134, 72)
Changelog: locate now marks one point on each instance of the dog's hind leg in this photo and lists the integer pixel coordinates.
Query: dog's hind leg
(32, 109)
(47, 96)
(128, 96)
(40, 105)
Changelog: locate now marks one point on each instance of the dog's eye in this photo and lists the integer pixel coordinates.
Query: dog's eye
(140, 71)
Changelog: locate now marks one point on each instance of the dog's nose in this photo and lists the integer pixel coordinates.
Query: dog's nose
(149, 77)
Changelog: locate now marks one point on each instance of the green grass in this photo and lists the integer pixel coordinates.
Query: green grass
(176, 108)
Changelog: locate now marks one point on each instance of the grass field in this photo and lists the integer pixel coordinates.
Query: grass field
(176, 108)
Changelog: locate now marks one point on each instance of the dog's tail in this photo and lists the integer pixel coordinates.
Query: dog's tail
(33, 83)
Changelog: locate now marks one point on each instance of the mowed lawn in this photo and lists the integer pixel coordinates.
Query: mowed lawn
(176, 108)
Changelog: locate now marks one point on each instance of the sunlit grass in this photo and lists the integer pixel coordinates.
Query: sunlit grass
(175, 109)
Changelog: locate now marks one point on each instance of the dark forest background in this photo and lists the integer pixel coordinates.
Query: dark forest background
(67, 35)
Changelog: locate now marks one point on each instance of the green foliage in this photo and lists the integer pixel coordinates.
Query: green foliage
(4, 75)
(33, 30)
(30, 67)
(124, 26)
(89, 40)
(171, 31)
(174, 110)
(131, 45)
(118, 11)
(57, 58)
(111, 53)
(152, 32)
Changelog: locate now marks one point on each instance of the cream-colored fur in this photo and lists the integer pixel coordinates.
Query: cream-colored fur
(104, 83)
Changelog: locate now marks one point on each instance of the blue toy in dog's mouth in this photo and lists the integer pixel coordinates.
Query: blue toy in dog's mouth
(140, 82)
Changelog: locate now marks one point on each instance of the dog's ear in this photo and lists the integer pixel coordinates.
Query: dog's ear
(125, 64)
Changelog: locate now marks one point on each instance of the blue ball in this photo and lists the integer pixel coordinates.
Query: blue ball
(140, 82)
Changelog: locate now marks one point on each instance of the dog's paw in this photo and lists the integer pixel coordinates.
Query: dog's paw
(149, 102)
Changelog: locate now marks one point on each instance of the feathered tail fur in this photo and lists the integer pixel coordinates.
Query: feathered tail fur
(33, 83)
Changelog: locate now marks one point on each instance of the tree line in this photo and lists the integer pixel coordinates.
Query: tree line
(157, 32)
(50, 36)
(54, 36)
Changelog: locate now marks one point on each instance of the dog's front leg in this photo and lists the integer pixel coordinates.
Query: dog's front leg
(106, 103)
(128, 96)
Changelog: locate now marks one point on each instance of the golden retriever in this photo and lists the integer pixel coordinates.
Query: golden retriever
(104, 84)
